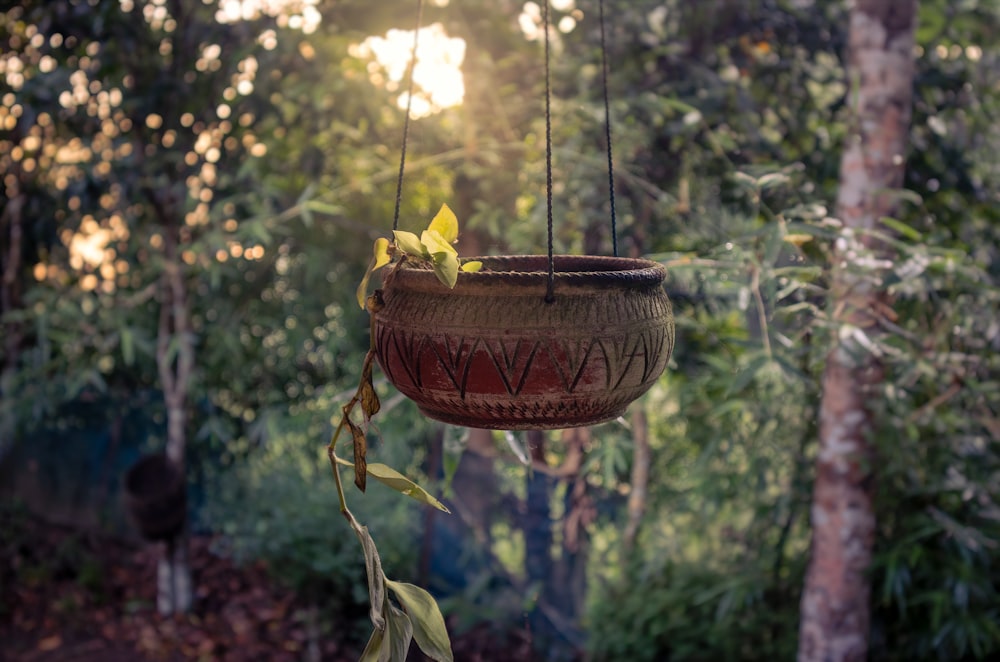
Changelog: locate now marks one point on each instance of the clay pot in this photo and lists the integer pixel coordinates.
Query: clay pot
(155, 497)
(492, 353)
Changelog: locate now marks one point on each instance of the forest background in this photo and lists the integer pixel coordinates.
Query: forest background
(248, 152)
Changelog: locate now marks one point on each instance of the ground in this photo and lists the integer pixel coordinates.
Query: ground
(74, 596)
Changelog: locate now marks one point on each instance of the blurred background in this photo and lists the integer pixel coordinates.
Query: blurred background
(190, 193)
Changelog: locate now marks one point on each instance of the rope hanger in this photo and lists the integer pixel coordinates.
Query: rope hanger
(549, 296)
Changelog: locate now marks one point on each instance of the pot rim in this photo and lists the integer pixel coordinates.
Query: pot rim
(528, 274)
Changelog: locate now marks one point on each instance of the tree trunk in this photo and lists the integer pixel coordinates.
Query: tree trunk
(835, 601)
(175, 590)
(641, 459)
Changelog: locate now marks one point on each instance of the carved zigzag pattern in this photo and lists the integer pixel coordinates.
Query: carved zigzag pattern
(629, 361)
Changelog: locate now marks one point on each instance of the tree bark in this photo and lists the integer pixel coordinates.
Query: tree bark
(641, 459)
(175, 588)
(835, 600)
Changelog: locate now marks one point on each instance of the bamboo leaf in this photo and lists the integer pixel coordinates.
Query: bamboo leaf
(901, 228)
(397, 481)
(428, 624)
(445, 223)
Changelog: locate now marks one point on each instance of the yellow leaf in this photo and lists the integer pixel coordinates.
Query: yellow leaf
(409, 243)
(362, 292)
(472, 266)
(381, 253)
(446, 224)
(435, 243)
(797, 239)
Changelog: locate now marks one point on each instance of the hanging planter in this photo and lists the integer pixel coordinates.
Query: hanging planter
(497, 352)
(155, 497)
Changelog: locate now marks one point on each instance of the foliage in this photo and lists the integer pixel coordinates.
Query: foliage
(433, 246)
(727, 122)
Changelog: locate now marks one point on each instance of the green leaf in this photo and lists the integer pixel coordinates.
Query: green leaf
(409, 243)
(397, 481)
(446, 268)
(472, 266)
(127, 341)
(428, 623)
(901, 228)
(445, 223)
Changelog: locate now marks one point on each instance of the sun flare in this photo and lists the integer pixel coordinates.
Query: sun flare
(437, 75)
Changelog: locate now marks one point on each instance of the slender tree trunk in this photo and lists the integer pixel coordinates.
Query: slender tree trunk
(175, 590)
(641, 458)
(835, 601)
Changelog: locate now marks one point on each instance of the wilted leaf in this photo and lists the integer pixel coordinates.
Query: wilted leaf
(400, 633)
(373, 569)
(446, 224)
(428, 623)
(409, 243)
(446, 268)
(472, 266)
(369, 399)
(373, 651)
(397, 481)
(360, 454)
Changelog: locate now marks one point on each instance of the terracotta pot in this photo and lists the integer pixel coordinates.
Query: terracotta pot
(492, 353)
(155, 497)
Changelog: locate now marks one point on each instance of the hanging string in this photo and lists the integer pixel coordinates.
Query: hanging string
(406, 119)
(607, 133)
(550, 290)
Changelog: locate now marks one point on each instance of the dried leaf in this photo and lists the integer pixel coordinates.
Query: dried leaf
(360, 455)
(369, 399)
(428, 624)
(397, 481)
(445, 223)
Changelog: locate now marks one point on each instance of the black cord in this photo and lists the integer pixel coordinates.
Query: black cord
(550, 290)
(406, 120)
(607, 133)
